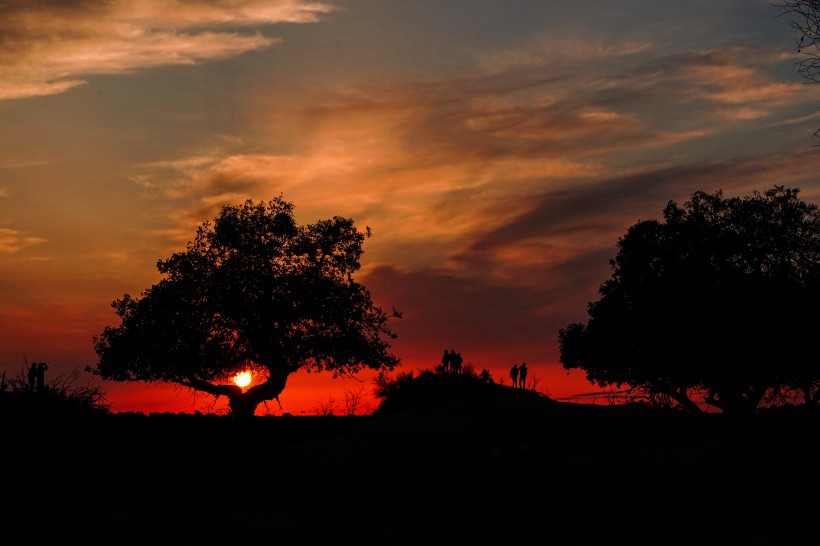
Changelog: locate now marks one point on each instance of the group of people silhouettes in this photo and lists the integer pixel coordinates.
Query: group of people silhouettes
(518, 374)
(451, 361)
(37, 376)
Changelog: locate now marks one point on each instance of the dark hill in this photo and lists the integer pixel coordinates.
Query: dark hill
(449, 462)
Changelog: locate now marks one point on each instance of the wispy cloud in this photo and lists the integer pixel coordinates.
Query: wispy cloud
(13, 241)
(539, 50)
(17, 164)
(50, 46)
(534, 272)
(446, 168)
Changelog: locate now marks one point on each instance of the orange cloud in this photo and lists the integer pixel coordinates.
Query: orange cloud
(49, 47)
(13, 241)
(540, 51)
(728, 77)
(436, 166)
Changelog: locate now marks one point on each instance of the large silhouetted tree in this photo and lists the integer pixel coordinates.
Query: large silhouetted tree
(253, 290)
(719, 301)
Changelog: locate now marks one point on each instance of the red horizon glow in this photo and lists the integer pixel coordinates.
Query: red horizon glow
(314, 394)
(63, 340)
(496, 174)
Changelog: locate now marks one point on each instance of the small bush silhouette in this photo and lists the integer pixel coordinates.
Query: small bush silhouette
(62, 393)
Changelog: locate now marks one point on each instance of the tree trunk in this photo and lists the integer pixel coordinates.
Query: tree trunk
(244, 404)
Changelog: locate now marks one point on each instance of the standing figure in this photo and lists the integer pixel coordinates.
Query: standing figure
(446, 359)
(522, 375)
(514, 375)
(41, 376)
(32, 376)
(455, 361)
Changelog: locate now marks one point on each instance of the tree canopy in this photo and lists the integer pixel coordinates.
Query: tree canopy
(253, 291)
(716, 303)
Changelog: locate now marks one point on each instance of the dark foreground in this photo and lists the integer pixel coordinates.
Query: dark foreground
(495, 467)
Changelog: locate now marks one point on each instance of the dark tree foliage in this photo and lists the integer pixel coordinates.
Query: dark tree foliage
(716, 302)
(253, 290)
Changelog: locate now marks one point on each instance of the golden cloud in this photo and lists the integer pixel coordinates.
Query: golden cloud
(13, 241)
(436, 166)
(50, 46)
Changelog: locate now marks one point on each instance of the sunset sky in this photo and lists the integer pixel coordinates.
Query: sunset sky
(496, 148)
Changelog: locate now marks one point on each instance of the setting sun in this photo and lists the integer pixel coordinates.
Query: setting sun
(243, 379)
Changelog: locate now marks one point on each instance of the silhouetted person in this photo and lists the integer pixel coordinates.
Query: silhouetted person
(455, 361)
(32, 376)
(446, 360)
(485, 376)
(522, 375)
(41, 376)
(514, 375)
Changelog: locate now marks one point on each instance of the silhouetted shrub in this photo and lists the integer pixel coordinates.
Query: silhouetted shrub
(433, 391)
(392, 387)
(61, 394)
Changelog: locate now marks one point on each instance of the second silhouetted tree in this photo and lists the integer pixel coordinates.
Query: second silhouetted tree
(715, 303)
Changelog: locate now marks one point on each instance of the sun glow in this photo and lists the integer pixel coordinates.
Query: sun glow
(243, 379)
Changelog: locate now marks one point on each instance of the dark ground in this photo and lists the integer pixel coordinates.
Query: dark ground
(479, 466)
